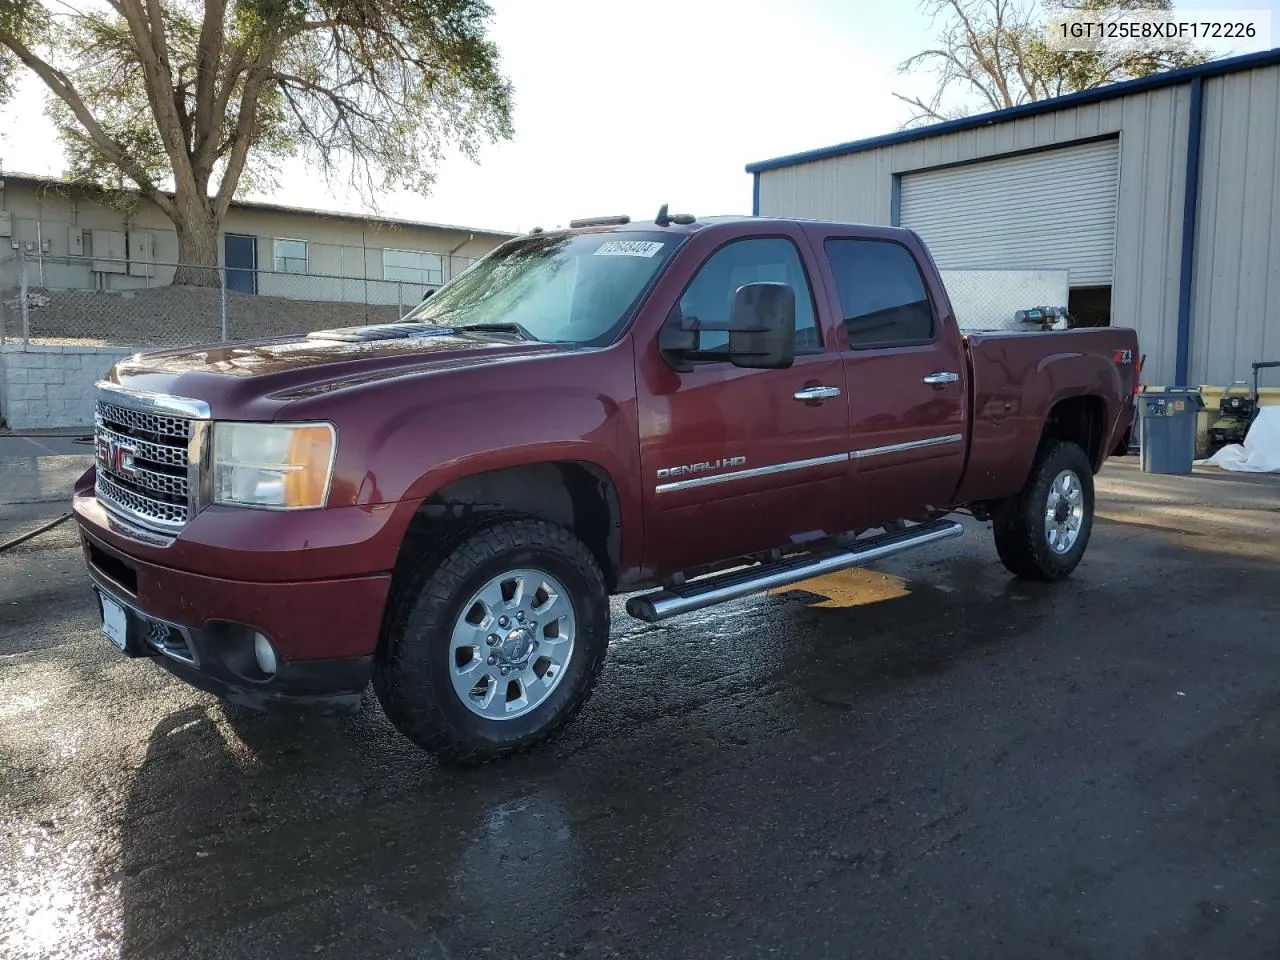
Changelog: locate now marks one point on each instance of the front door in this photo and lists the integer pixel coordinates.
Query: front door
(736, 461)
(907, 377)
(240, 257)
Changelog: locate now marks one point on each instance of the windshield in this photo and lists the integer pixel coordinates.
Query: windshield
(553, 287)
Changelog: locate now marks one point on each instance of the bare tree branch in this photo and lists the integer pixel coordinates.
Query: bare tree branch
(208, 58)
(992, 54)
(923, 108)
(61, 85)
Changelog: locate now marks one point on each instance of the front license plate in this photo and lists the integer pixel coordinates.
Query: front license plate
(114, 622)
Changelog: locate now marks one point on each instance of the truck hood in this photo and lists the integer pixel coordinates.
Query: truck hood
(253, 379)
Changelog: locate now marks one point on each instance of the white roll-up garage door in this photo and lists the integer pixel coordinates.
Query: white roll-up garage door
(1051, 210)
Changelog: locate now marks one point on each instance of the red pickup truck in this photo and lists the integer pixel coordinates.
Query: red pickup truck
(684, 410)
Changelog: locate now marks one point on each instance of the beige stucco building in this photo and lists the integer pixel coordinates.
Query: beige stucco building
(70, 239)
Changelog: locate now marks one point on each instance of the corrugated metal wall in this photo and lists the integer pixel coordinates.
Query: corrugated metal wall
(1236, 290)
(1004, 214)
(1153, 136)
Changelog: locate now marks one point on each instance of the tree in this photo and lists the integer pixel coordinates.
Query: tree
(995, 55)
(189, 102)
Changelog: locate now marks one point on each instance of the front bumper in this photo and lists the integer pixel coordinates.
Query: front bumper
(323, 632)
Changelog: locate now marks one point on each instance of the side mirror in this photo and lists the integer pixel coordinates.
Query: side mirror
(678, 336)
(762, 326)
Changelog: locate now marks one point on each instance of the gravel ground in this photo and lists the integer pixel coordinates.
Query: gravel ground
(926, 759)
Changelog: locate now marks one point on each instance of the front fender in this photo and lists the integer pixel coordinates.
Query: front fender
(406, 441)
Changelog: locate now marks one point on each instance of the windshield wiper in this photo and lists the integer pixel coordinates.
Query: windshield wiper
(519, 330)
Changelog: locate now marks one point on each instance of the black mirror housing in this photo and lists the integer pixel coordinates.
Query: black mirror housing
(678, 336)
(762, 326)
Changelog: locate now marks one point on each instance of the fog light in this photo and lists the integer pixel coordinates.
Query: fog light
(264, 653)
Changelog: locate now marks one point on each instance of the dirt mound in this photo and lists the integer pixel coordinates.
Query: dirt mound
(176, 316)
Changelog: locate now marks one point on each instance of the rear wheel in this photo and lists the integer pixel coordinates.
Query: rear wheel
(495, 647)
(1042, 531)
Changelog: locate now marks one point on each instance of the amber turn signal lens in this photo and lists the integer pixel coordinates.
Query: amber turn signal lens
(311, 449)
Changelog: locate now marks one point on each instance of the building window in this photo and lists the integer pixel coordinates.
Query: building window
(291, 256)
(412, 266)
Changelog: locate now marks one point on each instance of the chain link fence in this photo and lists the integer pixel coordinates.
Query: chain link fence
(104, 302)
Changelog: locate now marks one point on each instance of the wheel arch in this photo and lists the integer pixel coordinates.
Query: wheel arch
(579, 495)
(1081, 419)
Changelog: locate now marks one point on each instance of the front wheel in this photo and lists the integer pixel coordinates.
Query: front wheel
(496, 647)
(1042, 531)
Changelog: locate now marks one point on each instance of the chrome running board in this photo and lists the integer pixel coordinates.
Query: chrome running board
(709, 591)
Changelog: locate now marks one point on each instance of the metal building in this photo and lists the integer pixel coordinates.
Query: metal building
(1159, 197)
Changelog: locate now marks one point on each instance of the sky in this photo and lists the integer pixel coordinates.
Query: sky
(623, 107)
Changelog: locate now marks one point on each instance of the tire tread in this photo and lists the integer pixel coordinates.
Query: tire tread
(402, 676)
(1018, 523)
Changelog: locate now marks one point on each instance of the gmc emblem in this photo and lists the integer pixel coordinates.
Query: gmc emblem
(116, 457)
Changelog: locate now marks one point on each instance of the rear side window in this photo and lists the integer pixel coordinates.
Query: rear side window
(882, 294)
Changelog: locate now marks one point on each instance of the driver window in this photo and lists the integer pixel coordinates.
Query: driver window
(709, 296)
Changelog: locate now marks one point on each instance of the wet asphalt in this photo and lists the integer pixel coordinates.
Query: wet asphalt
(924, 759)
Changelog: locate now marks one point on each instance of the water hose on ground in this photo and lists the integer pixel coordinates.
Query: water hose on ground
(34, 533)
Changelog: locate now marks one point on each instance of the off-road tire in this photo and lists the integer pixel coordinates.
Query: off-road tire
(411, 677)
(1019, 521)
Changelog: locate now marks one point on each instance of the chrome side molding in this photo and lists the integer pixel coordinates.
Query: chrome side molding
(909, 445)
(776, 468)
(749, 473)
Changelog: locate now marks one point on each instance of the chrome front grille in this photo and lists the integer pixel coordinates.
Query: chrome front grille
(143, 453)
(157, 453)
(153, 513)
(176, 427)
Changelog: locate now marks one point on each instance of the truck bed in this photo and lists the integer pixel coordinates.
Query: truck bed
(1017, 376)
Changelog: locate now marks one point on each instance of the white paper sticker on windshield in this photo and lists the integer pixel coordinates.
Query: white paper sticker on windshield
(628, 248)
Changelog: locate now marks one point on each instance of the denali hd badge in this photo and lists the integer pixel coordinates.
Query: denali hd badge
(704, 467)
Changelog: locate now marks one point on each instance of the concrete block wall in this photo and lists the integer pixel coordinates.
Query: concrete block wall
(50, 387)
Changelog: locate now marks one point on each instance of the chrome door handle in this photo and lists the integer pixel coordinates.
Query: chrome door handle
(817, 393)
(934, 379)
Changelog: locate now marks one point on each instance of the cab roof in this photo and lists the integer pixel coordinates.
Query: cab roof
(694, 225)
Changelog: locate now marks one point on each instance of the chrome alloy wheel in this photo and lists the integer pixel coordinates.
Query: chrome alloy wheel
(511, 644)
(1064, 512)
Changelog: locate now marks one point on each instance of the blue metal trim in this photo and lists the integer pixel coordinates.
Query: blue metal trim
(755, 194)
(1214, 68)
(895, 200)
(1182, 363)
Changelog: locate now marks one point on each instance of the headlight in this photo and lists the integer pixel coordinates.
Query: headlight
(282, 465)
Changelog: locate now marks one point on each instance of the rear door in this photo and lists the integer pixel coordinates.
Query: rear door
(906, 374)
(736, 460)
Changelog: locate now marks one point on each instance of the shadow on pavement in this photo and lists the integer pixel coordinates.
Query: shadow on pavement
(321, 837)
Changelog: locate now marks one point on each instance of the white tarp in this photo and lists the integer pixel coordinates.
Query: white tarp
(1260, 452)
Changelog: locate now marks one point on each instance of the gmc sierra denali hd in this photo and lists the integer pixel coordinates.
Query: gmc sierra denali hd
(684, 410)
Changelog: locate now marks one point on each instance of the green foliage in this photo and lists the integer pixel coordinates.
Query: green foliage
(191, 101)
(1070, 72)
